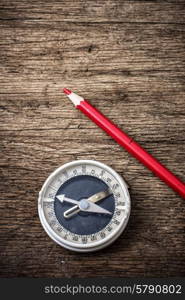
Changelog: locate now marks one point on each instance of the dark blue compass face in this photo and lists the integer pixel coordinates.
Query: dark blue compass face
(78, 188)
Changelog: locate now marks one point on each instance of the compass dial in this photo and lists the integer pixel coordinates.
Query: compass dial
(84, 205)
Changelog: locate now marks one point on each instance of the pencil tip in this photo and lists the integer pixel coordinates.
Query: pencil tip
(66, 91)
(73, 97)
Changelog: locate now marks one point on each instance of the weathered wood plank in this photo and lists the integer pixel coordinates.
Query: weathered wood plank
(94, 11)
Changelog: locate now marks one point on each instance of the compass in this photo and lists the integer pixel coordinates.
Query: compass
(84, 205)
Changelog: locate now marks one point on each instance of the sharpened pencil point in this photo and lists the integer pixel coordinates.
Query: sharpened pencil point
(66, 91)
(73, 97)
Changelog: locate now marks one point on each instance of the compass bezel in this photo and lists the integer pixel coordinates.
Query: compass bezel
(94, 245)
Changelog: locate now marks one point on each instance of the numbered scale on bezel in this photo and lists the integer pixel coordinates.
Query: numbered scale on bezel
(84, 205)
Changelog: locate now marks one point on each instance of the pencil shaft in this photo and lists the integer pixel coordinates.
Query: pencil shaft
(132, 147)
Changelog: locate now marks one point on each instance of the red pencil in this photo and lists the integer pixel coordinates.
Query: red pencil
(127, 142)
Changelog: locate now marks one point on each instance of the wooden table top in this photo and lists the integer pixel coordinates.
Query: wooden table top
(127, 58)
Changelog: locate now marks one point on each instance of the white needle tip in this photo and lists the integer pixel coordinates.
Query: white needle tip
(60, 197)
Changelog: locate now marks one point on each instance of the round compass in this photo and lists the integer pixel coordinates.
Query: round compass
(84, 205)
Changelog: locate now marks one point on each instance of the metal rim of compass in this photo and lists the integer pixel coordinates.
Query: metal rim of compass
(95, 245)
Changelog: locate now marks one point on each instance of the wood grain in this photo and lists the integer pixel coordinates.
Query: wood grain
(127, 58)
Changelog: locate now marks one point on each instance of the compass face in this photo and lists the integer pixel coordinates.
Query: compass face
(84, 205)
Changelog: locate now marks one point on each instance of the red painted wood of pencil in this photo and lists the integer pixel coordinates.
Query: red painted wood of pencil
(127, 142)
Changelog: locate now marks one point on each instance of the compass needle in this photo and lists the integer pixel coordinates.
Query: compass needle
(94, 198)
(96, 208)
(62, 198)
(86, 206)
(99, 196)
